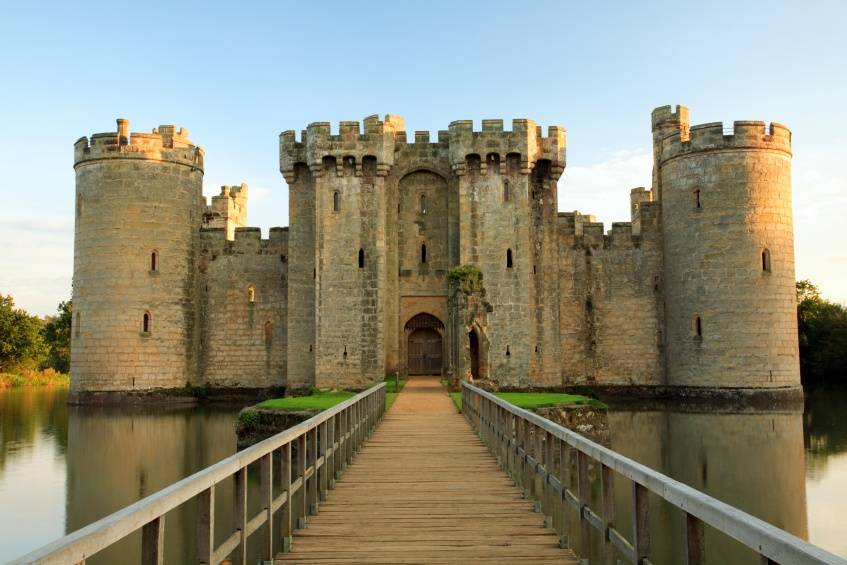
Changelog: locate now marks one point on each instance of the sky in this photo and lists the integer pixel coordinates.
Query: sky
(237, 74)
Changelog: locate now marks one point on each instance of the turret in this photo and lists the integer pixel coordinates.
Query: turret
(138, 211)
(507, 209)
(228, 210)
(725, 198)
(338, 246)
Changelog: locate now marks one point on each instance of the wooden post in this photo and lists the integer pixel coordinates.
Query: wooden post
(330, 467)
(206, 525)
(239, 556)
(584, 499)
(266, 490)
(695, 546)
(537, 487)
(324, 445)
(313, 463)
(640, 522)
(565, 479)
(153, 542)
(303, 500)
(608, 487)
(549, 492)
(285, 518)
(525, 475)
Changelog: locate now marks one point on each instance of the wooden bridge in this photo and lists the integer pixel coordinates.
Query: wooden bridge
(424, 489)
(421, 485)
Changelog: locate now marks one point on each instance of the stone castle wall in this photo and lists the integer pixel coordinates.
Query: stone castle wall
(243, 291)
(611, 300)
(695, 291)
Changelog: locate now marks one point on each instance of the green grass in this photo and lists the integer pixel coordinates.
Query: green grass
(321, 400)
(318, 400)
(48, 377)
(533, 400)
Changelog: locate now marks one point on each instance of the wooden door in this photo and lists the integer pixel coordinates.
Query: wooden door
(425, 352)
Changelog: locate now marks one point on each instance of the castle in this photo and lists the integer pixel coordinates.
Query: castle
(444, 256)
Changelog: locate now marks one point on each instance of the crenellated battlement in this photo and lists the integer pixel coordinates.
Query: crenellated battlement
(714, 136)
(526, 139)
(583, 230)
(351, 142)
(380, 139)
(247, 241)
(165, 143)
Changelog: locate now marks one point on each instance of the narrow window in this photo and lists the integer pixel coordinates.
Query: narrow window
(251, 294)
(423, 253)
(506, 194)
(766, 261)
(76, 325)
(698, 327)
(154, 261)
(508, 258)
(697, 203)
(145, 323)
(423, 204)
(336, 201)
(361, 258)
(269, 332)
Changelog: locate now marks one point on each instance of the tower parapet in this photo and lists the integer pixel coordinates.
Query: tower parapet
(526, 139)
(317, 142)
(165, 143)
(746, 134)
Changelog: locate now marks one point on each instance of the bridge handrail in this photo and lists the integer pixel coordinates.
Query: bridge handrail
(508, 432)
(339, 430)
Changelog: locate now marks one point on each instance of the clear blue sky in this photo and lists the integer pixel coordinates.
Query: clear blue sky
(237, 74)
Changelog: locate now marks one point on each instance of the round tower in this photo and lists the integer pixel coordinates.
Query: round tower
(730, 305)
(138, 213)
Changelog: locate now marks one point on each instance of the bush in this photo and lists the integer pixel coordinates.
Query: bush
(21, 343)
(468, 277)
(248, 418)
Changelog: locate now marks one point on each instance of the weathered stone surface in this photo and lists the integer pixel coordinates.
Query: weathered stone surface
(376, 224)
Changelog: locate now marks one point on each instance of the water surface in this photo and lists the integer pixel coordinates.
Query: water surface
(64, 467)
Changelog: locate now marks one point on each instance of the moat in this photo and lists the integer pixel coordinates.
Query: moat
(63, 467)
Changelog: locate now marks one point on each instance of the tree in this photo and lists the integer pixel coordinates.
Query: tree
(823, 336)
(57, 336)
(21, 345)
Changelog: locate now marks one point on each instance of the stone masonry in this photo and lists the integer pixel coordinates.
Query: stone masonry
(695, 293)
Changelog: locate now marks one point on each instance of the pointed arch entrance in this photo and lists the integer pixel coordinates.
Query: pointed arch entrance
(425, 350)
(473, 346)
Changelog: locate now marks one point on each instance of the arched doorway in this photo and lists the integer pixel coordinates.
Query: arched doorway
(473, 343)
(425, 345)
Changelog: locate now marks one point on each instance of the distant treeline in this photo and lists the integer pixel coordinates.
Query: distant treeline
(29, 343)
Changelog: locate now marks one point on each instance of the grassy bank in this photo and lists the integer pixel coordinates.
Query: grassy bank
(534, 400)
(47, 377)
(321, 400)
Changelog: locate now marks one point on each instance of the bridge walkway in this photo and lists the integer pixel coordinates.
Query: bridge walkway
(424, 489)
